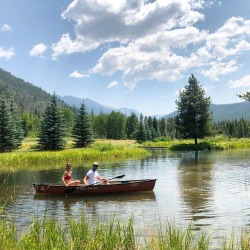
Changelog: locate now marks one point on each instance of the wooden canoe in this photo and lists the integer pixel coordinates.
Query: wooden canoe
(112, 188)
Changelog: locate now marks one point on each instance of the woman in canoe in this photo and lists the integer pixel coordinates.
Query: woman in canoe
(67, 176)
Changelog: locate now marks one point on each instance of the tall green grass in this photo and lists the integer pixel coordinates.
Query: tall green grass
(109, 235)
(13, 160)
(211, 143)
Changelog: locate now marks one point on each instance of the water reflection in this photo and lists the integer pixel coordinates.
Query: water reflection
(195, 178)
(206, 188)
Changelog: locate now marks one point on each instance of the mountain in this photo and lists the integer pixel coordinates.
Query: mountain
(27, 96)
(226, 111)
(34, 100)
(94, 107)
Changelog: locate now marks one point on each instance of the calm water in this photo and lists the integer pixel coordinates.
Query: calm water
(209, 189)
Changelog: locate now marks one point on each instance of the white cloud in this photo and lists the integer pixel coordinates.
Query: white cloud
(154, 40)
(77, 74)
(38, 50)
(7, 54)
(113, 84)
(220, 68)
(243, 82)
(6, 27)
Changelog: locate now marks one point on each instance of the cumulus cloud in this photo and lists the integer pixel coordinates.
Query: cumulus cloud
(243, 82)
(6, 27)
(113, 84)
(38, 50)
(154, 40)
(6, 53)
(77, 74)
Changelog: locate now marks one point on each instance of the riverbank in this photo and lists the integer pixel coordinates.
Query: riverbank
(211, 143)
(28, 155)
(45, 233)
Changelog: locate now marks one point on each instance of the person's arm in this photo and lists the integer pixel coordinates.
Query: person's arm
(101, 179)
(63, 180)
(85, 180)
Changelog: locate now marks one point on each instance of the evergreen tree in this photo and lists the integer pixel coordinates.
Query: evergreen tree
(52, 130)
(162, 127)
(82, 130)
(18, 129)
(140, 134)
(148, 131)
(11, 133)
(156, 128)
(194, 117)
(131, 125)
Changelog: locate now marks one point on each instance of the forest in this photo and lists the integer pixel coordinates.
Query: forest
(31, 103)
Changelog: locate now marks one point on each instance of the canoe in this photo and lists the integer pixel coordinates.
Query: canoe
(112, 188)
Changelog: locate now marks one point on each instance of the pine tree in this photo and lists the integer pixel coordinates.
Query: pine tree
(194, 117)
(17, 127)
(131, 125)
(82, 131)
(52, 130)
(140, 134)
(11, 133)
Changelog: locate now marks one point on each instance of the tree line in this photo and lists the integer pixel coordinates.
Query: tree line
(194, 121)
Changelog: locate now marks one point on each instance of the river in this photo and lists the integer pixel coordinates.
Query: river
(210, 190)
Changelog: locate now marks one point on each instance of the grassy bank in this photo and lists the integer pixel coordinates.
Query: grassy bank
(27, 154)
(212, 143)
(51, 234)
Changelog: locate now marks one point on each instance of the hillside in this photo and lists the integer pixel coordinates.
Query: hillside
(226, 111)
(33, 99)
(27, 96)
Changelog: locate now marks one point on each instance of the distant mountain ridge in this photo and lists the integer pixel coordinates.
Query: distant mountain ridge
(222, 112)
(95, 107)
(34, 99)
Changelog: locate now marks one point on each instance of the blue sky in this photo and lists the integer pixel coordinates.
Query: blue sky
(134, 54)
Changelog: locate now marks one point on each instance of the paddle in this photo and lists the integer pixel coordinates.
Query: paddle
(70, 190)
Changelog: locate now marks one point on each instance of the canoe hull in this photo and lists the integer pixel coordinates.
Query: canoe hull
(111, 188)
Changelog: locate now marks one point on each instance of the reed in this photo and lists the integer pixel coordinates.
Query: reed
(109, 234)
(15, 160)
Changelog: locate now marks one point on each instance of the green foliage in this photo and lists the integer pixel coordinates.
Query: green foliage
(131, 126)
(82, 131)
(11, 132)
(103, 147)
(28, 97)
(116, 126)
(140, 134)
(100, 126)
(194, 119)
(111, 233)
(52, 130)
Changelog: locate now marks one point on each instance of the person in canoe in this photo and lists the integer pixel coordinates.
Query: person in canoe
(67, 176)
(92, 176)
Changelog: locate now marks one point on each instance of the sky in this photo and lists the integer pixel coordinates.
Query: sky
(136, 54)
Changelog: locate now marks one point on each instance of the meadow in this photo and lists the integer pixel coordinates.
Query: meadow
(28, 154)
(210, 143)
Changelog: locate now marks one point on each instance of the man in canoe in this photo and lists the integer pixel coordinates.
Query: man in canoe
(67, 176)
(92, 176)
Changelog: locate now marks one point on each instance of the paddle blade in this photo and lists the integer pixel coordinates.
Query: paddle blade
(120, 176)
(117, 177)
(70, 190)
